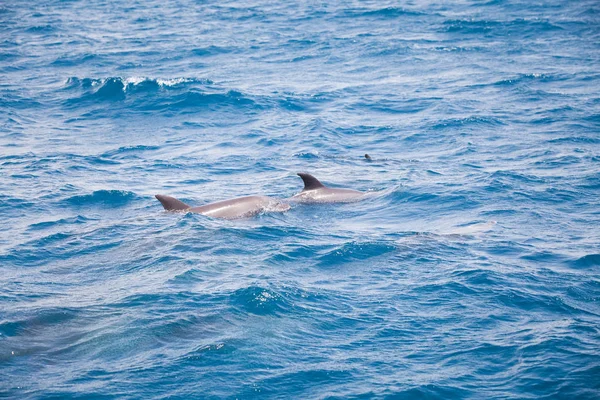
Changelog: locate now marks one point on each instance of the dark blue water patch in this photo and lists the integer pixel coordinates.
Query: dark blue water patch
(201, 352)
(527, 301)
(57, 394)
(71, 61)
(39, 321)
(111, 89)
(190, 276)
(587, 261)
(41, 29)
(508, 248)
(260, 301)
(591, 181)
(302, 43)
(544, 257)
(195, 100)
(9, 203)
(14, 101)
(408, 106)
(586, 295)
(430, 391)
(470, 26)
(189, 326)
(384, 13)
(575, 139)
(594, 119)
(56, 246)
(438, 201)
(499, 28)
(479, 279)
(85, 83)
(212, 51)
(104, 198)
(557, 162)
(306, 156)
(8, 56)
(79, 219)
(390, 50)
(506, 180)
(446, 290)
(364, 130)
(301, 382)
(473, 122)
(292, 104)
(267, 232)
(562, 198)
(145, 86)
(24, 176)
(526, 78)
(354, 252)
(10, 328)
(127, 152)
(295, 252)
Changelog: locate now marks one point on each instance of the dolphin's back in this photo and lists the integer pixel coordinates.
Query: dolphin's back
(315, 192)
(240, 207)
(234, 208)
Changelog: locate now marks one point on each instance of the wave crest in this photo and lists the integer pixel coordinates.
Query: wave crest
(152, 95)
(112, 198)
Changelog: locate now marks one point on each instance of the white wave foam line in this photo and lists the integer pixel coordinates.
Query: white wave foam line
(173, 81)
(134, 80)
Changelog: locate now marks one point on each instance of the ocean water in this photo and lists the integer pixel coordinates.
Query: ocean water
(472, 271)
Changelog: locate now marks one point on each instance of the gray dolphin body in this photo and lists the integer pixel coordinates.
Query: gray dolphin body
(241, 207)
(315, 192)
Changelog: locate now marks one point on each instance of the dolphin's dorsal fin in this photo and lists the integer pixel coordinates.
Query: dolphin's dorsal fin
(310, 182)
(171, 203)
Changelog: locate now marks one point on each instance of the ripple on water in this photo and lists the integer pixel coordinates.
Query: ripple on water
(105, 198)
(352, 252)
(260, 301)
(587, 261)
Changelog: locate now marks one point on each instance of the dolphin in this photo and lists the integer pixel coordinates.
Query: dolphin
(315, 192)
(240, 207)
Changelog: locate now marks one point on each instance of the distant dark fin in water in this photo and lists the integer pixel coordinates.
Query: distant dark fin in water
(368, 157)
(171, 203)
(310, 182)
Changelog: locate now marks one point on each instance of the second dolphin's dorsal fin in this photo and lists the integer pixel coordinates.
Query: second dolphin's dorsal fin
(310, 182)
(171, 203)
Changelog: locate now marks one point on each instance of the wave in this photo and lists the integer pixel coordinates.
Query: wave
(355, 251)
(211, 51)
(151, 95)
(119, 88)
(524, 78)
(386, 12)
(112, 198)
(261, 301)
(37, 323)
(472, 121)
(9, 203)
(127, 151)
(63, 221)
(134, 83)
(41, 29)
(177, 95)
(587, 261)
(525, 27)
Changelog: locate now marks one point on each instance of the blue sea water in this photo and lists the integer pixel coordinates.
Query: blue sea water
(472, 271)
